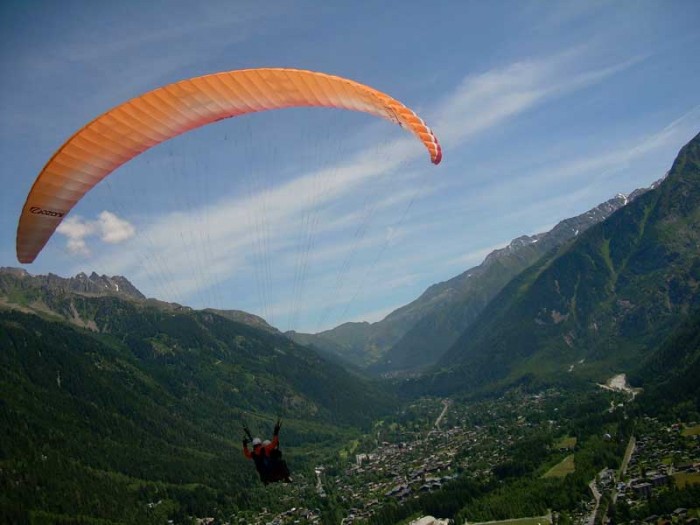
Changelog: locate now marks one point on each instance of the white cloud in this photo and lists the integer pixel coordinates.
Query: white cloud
(108, 227)
(76, 229)
(114, 230)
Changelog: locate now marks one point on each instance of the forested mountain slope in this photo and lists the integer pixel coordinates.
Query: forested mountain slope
(670, 375)
(456, 303)
(602, 303)
(419, 333)
(146, 404)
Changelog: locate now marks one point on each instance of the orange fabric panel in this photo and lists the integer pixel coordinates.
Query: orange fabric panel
(131, 128)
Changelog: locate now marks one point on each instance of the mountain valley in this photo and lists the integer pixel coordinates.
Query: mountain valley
(479, 401)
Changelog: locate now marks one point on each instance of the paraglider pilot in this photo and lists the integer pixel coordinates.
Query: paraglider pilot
(267, 456)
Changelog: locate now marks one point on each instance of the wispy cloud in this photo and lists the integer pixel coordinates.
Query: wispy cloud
(513, 179)
(488, 99)
(474, 257)
(236, 240)
(561, 13)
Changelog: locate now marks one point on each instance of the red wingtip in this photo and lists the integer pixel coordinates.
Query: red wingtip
(438, 155)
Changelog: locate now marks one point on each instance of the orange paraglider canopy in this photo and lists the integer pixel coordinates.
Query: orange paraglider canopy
(131, 128)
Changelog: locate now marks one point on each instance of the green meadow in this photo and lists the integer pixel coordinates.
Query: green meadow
(561, 469)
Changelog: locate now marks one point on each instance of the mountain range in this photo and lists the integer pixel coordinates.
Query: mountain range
(112, 310)
(597, 294)
(601, 303)
(417, 335)
(113, 403)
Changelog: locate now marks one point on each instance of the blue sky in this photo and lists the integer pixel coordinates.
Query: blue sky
(314, 217)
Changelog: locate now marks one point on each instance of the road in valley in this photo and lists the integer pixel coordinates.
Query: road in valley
(446, 404)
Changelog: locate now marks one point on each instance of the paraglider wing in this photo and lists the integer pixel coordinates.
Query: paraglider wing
(131, 128)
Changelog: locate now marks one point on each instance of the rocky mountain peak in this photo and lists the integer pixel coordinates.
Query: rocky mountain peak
(15, 272)
(93, 284)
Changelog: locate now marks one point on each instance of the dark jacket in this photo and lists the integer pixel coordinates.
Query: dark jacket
(261, 456)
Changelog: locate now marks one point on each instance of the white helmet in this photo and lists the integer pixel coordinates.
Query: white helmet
(266, 442)
(256, 442)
